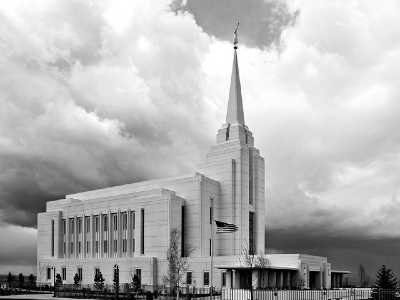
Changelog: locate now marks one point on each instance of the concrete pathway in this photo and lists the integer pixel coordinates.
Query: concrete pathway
(36, 297)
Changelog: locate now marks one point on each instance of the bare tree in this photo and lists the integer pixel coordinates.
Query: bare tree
(363, 277)
(254, 262)
(177, 264)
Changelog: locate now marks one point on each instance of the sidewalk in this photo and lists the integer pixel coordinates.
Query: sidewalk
(36, 297)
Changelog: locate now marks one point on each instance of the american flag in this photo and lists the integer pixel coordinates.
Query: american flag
(223, 227)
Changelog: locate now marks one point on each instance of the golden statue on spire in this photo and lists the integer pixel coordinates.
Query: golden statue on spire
(235, 34)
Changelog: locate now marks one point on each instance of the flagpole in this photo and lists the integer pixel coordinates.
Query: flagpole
(212, 245)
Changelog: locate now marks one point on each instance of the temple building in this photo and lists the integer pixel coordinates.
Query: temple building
(130, 225)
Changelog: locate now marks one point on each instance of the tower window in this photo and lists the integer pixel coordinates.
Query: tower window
(251, 233)
(206, 278)
(227, 133)
(52, 237)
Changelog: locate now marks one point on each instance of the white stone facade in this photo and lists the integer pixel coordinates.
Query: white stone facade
(129, 225)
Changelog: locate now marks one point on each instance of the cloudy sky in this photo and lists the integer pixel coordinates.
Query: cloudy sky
(99, 93)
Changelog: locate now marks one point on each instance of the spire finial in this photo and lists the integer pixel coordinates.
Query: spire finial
(235, 34)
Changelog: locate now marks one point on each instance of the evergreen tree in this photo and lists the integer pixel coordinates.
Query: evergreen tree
(58, 280)
(10, 279)
(385, 279)
(32, 282)
(385, 284)
(21, 280)
(116, 280)
(136, 283)
(99, 281)
(76, 279)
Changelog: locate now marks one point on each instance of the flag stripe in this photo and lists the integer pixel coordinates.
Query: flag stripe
(223, 227)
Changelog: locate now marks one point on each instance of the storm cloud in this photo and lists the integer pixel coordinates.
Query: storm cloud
(102, 93)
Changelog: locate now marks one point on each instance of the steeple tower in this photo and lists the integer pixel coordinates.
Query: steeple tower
(235, 106)
(240, 169)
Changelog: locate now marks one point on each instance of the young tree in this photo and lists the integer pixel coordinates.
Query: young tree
(76, 279)
(32, 281)
(177, 265)
(10, 279)
(58, 280)
(385, 284)
(136, 283)
(363, 277)
(254, 262)
(116, 280)
(21, 280)
(99, 281)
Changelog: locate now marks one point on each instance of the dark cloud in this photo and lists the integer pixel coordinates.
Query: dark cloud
(345, 250)
(261, 22)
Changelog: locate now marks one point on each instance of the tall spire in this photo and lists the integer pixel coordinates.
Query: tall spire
(235, 106)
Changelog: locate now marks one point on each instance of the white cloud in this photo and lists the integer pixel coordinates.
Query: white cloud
(100, 93)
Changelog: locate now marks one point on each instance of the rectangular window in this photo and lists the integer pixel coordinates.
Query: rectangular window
(64, 273)
(124, 245)
(211, 214)
(250, 177)
(142, 231)
(97, 247)
(124, 221)
(64, 226)
(79, 225)
(52, 237)
(87, 225)
(223, 279)
(105, 246)
(71, 226)
(71, 249)
(115, 246)
(210, 242)
(133, 219)
(206, 278)
(139, 274)
(96, 223)
(105, 222)
(183, 253)
(188, 278)
(133, 245)
(79, 247)
(115, 222)
(87, 246)
(80, 273)
(64, 248)
(48, 273)
(251, 233)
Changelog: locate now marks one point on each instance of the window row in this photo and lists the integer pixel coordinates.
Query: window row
(124, 246)
(79, 271)
(96, 221)
(206, 278)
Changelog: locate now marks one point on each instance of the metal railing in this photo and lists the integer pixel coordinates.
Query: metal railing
(334, 294)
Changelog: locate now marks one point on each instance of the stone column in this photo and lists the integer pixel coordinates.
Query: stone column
(234, 283)
(289, 280)
(100, 254)
(76, 236)
(109, 244)
(92, 236)
(119, 234)
(83, 236)
(129, 233)
(228, 279)
(67, 239)
(281, 279)
(255, 279)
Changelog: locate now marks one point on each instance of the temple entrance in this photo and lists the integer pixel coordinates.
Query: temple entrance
(245, 279)
(315, 280)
